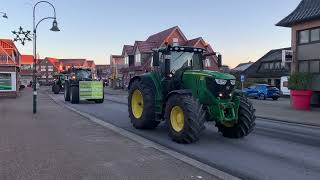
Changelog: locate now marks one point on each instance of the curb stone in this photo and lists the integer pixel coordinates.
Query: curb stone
(147, 143)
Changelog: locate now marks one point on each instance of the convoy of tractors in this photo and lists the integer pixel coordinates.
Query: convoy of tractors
(178, 91)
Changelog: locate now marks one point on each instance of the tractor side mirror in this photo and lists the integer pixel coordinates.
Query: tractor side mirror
(156, 59)
(219, 60)
(167, 66)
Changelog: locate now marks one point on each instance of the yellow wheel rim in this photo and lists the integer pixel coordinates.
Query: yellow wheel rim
(137, 104)
(228, 124)
(177, 118)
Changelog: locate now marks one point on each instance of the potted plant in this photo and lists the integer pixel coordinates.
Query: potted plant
(300, 89)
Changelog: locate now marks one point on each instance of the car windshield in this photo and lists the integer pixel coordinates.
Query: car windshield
(185, 59)
(83, 74)
(272, 88)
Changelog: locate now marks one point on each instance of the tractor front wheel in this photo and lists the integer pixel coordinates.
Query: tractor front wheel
(66, 91)
(141, 106)
(185, 118)
(246, 121)
(56, 89)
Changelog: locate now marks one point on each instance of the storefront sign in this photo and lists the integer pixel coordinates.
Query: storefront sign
(90, 90)
(7, 81)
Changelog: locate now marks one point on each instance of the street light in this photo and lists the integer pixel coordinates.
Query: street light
(35, 26)
(4, 15)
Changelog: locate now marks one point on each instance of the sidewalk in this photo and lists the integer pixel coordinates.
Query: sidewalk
(59, 144)
(281, 110)
(275, 110)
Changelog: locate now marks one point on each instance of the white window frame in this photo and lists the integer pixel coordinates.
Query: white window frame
(138, 58)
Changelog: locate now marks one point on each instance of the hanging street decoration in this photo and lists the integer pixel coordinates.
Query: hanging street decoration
(22, 35)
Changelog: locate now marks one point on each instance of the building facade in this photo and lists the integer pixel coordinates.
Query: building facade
(304, 22)
(269, 68)
(10, 61)
(26, 70)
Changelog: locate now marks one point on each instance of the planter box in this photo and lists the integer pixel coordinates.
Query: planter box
(300, 99)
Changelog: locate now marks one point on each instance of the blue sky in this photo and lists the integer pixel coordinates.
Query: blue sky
(241, 30)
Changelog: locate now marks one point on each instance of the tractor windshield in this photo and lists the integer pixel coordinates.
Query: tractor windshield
(83, 74)
(185, 59)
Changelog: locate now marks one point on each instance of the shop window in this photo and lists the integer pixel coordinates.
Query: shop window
(314, 66)
(304, 37)
(303, 66)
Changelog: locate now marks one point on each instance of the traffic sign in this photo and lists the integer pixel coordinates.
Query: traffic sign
(242, 78)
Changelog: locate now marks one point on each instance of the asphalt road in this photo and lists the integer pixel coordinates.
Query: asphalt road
(274, 150)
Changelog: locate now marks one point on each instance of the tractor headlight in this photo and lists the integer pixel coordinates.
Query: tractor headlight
(221, 81)
(233, 82)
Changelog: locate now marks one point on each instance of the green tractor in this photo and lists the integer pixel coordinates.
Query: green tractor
(180, 92)
(58, 83)
(79, 85)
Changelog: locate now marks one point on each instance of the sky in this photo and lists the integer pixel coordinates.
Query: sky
(241, 30)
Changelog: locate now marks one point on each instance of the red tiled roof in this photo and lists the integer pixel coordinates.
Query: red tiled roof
(26, 59)
(75, 62)
(128, 49)
(8, 43)
(192, 42)
(145, 46)
(91, 63)
(160, 37)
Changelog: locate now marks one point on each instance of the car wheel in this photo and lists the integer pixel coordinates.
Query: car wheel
(262, 97)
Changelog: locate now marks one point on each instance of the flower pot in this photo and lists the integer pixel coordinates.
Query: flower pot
(300, 99)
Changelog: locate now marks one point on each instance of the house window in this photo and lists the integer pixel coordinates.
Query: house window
(208, 63)
(314, 66)
(138, 58)
(315, 35)
(304, 37)
(303, 66)
(265, 66)
(277, 65)
(126, 60)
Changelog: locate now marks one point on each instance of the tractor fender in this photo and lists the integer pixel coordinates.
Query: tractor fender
(132, 80)
(144, 79)
(180, 92)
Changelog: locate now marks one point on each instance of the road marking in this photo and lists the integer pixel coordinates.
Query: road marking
(147, 143)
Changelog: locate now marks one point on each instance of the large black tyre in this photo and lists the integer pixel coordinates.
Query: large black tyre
(56, 89)
(146, 118)
(74, 95)
(66, 91)
(246, 121)
(193, 118)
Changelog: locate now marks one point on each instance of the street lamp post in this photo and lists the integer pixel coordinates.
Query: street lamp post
(35, 26)
(4, 15)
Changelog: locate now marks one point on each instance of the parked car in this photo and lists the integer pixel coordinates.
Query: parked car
(262, 91)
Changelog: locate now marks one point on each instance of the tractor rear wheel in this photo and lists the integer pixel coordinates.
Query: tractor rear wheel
(246, 121)
(141, 106)
(185, 118)
(74, 95)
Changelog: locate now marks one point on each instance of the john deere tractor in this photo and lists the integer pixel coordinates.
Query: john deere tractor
(79, 85)
(58, 83)
(180, 92)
